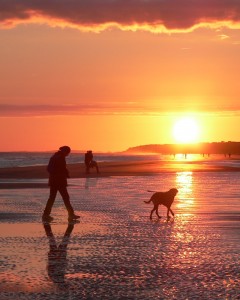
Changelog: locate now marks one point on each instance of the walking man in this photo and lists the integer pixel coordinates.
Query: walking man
(58, 175)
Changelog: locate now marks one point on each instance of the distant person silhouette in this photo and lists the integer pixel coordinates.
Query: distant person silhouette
(89, 162)
(57, 256)
(58, 175)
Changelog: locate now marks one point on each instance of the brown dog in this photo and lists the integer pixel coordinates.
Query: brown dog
(164, 198)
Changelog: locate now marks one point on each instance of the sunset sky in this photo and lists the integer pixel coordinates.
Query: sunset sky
(112, 74)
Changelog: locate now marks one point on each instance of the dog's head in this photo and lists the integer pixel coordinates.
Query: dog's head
(173, 192)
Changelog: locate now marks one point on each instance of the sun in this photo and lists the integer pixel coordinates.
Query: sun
(186, 130)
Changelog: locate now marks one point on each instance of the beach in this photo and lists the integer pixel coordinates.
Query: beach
(120, 150)
(116, 168)
(115, 251)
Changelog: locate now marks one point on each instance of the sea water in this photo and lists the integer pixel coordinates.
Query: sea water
(116, 251)
(22, 159)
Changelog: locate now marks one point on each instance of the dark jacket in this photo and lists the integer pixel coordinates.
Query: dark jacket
(88, 158)
(57, 170)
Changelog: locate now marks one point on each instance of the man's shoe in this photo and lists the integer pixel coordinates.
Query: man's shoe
(73, 217)
(47, 218)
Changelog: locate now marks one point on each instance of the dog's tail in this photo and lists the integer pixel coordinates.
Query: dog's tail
(151, 197)
(148, 201)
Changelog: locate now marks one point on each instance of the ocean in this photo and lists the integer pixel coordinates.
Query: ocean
(116, 251)
(21, 159)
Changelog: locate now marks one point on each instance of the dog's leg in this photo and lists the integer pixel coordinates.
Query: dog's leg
(154, 208)
(168, 217)
(157, 212)
(171, 211)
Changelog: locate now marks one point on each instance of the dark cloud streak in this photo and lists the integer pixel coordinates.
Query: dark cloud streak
(132, 109)
(172, 14)
(7, 110)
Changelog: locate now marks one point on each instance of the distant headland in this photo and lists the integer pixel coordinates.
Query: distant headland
(225, 148)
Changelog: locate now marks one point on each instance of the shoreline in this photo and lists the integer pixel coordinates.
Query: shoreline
(107, 169)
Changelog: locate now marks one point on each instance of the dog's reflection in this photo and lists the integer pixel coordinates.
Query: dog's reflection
(57, 256)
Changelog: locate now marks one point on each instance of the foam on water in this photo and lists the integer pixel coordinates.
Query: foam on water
(116, 252)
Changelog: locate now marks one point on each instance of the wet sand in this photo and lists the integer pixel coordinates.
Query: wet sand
(115, 251)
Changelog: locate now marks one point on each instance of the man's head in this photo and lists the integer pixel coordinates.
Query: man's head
(65, 150)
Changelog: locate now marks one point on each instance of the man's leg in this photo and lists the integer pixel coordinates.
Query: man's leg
(50, 202)
(64, 193)
(66, 199)
(97, 168)
(87, 168)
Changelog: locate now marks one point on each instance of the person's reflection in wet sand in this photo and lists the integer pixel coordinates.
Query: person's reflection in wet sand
(90, 182)
(57, 256)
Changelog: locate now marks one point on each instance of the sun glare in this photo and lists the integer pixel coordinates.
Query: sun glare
(186, 130)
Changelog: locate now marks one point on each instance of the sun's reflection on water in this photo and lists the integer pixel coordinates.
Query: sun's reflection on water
(184, 182)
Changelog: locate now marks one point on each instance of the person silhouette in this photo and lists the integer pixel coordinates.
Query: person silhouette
(89, 162)
(57, 256)
(58, 175)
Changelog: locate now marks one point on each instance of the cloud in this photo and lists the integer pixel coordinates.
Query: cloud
(223, 36)
(115, 108)
(97, 15)
(8, 110)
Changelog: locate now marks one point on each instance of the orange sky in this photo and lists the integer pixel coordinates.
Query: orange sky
(107, 75)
